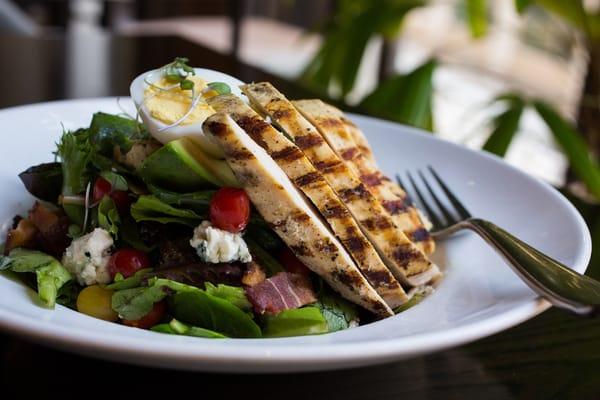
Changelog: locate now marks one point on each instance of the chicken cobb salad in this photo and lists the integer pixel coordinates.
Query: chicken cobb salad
(214, 214)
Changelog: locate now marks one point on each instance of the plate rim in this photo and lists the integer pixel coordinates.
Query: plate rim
(303, 357)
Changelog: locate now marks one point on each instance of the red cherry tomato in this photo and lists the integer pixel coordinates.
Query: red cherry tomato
(122, 201)
(291, 263)
(127, 262)
(102, 188)
(230, 209)
(149, 320)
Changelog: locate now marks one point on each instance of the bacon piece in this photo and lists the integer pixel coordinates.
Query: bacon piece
(253, 275)
(282, 291)
(53, 227)
(22, 235)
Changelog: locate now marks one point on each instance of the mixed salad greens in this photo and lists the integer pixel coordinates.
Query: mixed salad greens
(158, 237)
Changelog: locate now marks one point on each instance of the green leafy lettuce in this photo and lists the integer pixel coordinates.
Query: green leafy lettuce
(108, 216)
(107, 131)
(339, 313)
(176, 327)
(74, 150)
(233, 294)
(49, 272)
(151, 208)
(295, 322)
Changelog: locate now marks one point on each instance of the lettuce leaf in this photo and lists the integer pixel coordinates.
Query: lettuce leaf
(50, 274)
(233, 294)
(150, 208)
(295, 322)
(108, 131)
(338, 312)
(176, 327)
(108, 216)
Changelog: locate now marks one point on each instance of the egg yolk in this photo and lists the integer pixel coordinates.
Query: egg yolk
(171, 105)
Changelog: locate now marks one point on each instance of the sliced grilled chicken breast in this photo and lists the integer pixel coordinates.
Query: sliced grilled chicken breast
(310, 181)
(291, 215)
(359, 138)
(328, 120)
(402, 257)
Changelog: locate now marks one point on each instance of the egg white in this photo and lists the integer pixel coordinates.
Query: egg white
(194, 130)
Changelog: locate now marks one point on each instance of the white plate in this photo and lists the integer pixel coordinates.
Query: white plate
(478, 297)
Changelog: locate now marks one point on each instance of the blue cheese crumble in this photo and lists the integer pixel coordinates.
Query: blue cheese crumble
(215, 245)
(87, 257)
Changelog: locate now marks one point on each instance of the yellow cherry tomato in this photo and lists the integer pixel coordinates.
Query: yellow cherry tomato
(95, 301)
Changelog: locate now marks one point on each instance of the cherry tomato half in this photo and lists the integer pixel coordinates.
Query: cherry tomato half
(149, 320)
(127, 262)
(102, 188)
(230, 209)
(291, 263)
(122, 201)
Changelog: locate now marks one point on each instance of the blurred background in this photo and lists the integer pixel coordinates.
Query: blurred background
(519, 78)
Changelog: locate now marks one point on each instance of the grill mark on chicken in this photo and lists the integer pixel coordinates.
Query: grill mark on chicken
(394, 207)
(281, 114)
(356, 243)
(239, 154)
(300, 217)
(309, 178)
(377, 222)
(379, 278)
(371, 180)
(301, 250)
(346, 279)
(325, 246)
(217, 128)
(308, 141)
(333, 166)
(289, 154)
(350, 154)
(405, 254)
(335, 211)
(420, 235)
(356, 193)
(254, 126)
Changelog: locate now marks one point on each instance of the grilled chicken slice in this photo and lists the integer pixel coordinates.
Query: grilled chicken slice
(402, 257)
(291, 215)
(358, 136)
(329, 121)
(310, 181)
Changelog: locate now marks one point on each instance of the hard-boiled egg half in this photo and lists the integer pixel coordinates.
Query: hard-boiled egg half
(170, 112)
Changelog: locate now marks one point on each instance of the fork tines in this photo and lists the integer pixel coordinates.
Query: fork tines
(442, 209)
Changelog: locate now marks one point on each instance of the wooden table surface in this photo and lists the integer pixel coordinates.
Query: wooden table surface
(555, 355)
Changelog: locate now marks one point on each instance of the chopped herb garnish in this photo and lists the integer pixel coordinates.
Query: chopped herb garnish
(178, 72)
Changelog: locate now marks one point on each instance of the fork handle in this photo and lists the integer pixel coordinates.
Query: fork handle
(561, 286)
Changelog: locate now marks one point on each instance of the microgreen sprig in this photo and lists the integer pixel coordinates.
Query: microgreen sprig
(178, 72)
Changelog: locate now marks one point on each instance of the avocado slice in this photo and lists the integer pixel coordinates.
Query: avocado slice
(182, 166)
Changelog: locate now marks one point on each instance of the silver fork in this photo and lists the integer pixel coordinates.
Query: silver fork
(561, 286)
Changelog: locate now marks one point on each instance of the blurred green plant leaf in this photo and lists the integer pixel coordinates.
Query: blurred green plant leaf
(477, 17)
(346, 37)
(505, 125)
(574, 147)
(522, 5)
(405, 98)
